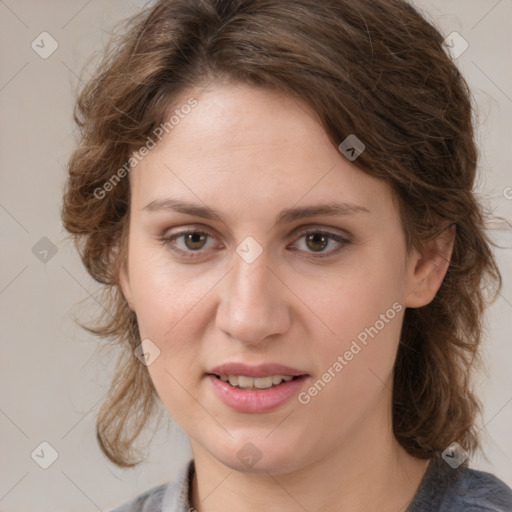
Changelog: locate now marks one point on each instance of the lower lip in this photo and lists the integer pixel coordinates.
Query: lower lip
(258, 400)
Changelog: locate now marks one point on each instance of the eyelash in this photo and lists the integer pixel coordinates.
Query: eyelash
(168, 241)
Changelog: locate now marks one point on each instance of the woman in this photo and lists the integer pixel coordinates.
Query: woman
(279, 196)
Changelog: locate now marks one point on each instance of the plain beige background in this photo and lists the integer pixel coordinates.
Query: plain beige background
(51, 379)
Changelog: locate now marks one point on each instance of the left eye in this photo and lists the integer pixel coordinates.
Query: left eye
(194, 241)
(318, 241)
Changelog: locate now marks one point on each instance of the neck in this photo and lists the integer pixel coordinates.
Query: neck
(371, 472)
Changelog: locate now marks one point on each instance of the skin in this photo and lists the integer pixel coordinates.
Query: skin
(247, 153)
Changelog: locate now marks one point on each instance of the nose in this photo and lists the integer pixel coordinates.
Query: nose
(253, 304)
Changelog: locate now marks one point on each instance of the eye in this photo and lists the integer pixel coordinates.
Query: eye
(316, 241)
(192, 241)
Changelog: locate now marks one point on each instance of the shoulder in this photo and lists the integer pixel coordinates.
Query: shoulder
(460, 489)
(478, 491)
(148, 501)
(169, 497)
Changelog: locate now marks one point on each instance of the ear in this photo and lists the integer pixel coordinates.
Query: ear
(123, 277)
(428, 268)
(124, 284)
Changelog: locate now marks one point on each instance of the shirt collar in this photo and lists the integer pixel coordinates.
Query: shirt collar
(177, 494)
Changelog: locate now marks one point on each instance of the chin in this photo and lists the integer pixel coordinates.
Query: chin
(250, 455)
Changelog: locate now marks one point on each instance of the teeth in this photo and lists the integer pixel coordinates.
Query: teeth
(261, 383)
(244, 382)
(276, 379)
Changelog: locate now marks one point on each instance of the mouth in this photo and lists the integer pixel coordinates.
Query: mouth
(255, 389)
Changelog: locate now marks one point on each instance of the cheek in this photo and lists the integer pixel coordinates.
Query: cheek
(364, 292)
(165, 295)
(360, 305)
(355, 372)
(170, 312)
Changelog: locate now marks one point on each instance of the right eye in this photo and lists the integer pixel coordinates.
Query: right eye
(187, 242)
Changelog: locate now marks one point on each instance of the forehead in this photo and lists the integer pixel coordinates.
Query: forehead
(250, 148)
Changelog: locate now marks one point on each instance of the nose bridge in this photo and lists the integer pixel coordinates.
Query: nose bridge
(253, 304)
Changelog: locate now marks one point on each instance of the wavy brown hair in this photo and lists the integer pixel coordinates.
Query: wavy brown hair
(374, 68)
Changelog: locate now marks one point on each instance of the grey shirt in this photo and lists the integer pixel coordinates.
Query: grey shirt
(442, 489)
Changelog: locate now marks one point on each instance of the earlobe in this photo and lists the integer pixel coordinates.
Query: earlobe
(428, 268)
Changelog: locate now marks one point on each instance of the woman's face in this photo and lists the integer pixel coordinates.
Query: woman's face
(317, 295)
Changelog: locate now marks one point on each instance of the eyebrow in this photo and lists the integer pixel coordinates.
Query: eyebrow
(285, 215)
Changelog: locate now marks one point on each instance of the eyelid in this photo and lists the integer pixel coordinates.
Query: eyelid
(316, 228)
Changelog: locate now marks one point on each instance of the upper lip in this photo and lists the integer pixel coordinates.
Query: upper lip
(262, 370)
